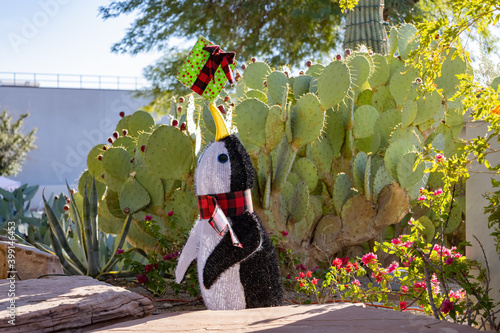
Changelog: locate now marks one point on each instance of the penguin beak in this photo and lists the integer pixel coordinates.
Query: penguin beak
(221, 129)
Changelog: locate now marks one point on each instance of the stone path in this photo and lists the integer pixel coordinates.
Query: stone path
(338, 318)
(67, 304)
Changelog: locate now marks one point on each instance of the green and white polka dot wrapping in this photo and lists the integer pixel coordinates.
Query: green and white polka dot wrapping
(193, 65)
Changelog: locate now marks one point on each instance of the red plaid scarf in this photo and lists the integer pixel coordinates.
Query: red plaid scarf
(215, 208)
(217, 58)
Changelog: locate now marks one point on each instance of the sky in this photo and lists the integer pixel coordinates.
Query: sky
(64, 37)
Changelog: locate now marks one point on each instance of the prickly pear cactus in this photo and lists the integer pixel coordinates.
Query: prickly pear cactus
(335, 150)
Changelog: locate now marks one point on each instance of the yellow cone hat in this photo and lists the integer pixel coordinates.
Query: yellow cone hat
(220, 126)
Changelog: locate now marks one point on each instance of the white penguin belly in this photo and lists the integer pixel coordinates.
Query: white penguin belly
(227, 292)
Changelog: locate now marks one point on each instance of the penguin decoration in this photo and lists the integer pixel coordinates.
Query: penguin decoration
(237, 264)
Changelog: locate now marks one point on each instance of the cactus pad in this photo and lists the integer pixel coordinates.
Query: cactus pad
(275, 127)
(255, 74)
(401, 85)
(257, 94)
(386, 123)
(133, 197)
(394, 153)
(94, 165)
(359, 67)
(382, 99)
(335, 131)
(86, 179)
(409, 113)
(406, 39)
(116, 163)
(250, 118)
(429, 229)
(276, 86)
(321, 153)
(451, 66)
(382, 179)
(368, 145)
(301, 85)
(300, 201)
(122, 124)
(169, 153)
(381, 73)
(367, 181)
(428, 107)
(306, 170)
(315, 70)
(495, 84)
(341, 191)
(393, 41)
(365, 97)
(364, 121)
(307, 120)
(183, 204)
(152, 185)
(138, 122)
(408, 175)
(358, 171)
(333, 84)
(126, 142)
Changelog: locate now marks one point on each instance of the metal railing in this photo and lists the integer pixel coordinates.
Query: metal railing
(77, 81)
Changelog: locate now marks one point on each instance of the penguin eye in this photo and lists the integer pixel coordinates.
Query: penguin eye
(222, 158)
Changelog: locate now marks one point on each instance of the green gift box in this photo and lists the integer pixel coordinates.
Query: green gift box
(192, 68)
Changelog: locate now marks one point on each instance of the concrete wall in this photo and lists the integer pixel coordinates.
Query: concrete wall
(477, 185)
(70, 122)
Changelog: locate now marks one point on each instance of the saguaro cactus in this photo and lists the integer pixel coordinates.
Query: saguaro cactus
(364, 26)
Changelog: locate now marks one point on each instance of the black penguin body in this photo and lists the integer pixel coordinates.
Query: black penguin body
(259, 267)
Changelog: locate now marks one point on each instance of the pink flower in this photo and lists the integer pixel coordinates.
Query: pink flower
(447, 306)
(459, 294)
(392, 267)
(379, 276)
(419, 286)
(457, 255)
(449, 261)
(309, 274)
(422, 198)
(439, 157)
(148, 218)
(404, 289)
(314, 281)
(438, 192)
(142, 279)
(288, 276)
(301, 275)
(170, 213)
(411, 221)
(421, 190)
(301, 267)
(368, 258)
(284, 233)
(408, 244)
(119, 251)
(403, 305)
(148, 268)
(396, 241)
(356, 282)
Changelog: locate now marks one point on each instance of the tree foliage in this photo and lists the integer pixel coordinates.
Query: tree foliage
(13, 144)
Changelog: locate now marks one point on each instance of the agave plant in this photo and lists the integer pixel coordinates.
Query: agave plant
(87, 236)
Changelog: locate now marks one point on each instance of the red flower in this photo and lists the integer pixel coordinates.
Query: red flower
(314, 281)
(447, 306)
(170, 213)
(337, 263)
(449, 261)
(345, 260)
(148, 218)
(142, 279)
(284, 233)
(309, 274)
(301, 275)
(119, 251)
(301, 284)
(148, 268)
(403, 305)
(348, 267)
(368, 258)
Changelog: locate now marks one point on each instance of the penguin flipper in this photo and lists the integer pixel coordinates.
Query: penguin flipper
(189, 253)
(225, 254)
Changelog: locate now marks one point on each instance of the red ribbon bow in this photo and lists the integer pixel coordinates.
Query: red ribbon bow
(217, 58)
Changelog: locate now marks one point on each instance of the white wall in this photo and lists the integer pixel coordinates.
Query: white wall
(478, 184)
(70, 122)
